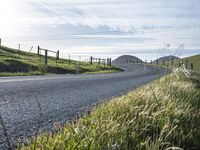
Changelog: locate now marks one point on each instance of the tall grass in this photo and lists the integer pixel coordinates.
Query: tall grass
(161, 115)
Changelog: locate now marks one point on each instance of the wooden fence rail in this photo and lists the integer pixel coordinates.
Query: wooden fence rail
(46, 54)
(99, 61)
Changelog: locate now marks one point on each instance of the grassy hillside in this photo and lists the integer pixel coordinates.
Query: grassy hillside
(195, 60)
(165, 58)
(161, 115)
(14, 62)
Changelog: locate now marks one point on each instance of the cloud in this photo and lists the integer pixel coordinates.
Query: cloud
(123, 15)
(107, 23)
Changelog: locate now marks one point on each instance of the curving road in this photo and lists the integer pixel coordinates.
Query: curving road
(61, 97)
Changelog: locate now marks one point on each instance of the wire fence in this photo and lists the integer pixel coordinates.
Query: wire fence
(43, 56)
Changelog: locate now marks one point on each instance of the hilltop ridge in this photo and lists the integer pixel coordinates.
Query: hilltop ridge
(127, 59)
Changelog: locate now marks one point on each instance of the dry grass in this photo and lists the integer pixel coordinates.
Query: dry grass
(161, 115)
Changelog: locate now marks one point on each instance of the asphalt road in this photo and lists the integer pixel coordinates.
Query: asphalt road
(61, 97)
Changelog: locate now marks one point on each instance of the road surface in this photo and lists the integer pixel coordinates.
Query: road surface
(61, 97)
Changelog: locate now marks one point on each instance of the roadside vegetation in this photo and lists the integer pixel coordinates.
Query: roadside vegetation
(195, 60)
(16, 63)
(187, 61)
(161, 115)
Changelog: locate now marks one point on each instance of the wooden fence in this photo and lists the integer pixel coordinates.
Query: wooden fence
(39, 50)
(100, 61)
(177, 63)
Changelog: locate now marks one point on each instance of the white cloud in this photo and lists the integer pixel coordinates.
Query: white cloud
(44, 17)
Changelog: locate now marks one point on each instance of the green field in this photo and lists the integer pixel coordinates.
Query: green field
(161, 115)
(14, 62)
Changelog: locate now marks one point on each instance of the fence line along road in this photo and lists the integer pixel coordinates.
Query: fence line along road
(56, 54)
(99, 61)
(46, 53)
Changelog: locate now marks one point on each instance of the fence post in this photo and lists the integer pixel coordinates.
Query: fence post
(38, 50)
(110, 62)
(99, 61)
(31, 49)
(45, 57)
(191, 66)
(0, 41)
(179, 64)
(91, 60)
(69, 60)
(58, 55)
(19, 47)
(157, 62)
(186, 63)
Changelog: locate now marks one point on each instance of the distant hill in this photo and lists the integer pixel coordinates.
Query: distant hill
(126, 59)
(161, 60)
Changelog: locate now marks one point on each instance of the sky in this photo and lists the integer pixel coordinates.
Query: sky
(103, 28)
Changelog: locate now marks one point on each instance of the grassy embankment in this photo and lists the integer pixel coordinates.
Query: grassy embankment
(161, 115)
(17, 63)
(195, 60)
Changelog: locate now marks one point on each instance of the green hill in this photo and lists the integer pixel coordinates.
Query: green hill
(14, 62)
(165, 59)
(195, 60)
(126, 59)
(187, 61)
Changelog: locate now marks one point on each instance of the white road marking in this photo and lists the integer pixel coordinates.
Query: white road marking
(21, 79)
(32, 79)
